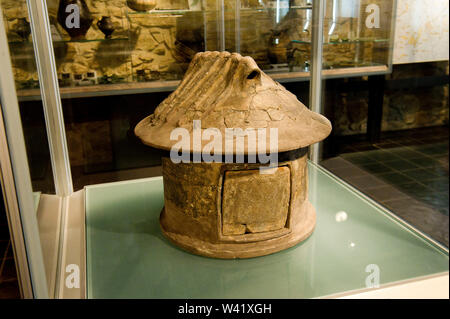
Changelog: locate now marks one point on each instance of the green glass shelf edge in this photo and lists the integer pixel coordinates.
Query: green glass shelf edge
(345, 42)
(127, 39)
(92, 40)
(127, 256)
(36, 199)
(72, 41)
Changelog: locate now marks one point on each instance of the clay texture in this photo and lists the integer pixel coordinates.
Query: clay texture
(200, 216)
(254, 202)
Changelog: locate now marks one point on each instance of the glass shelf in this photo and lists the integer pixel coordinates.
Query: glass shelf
(182, 11)
(168, 11)
(122, 219)
(92, 40)
(281, 75)
(362, 40)
(29, 43)
(21, 43)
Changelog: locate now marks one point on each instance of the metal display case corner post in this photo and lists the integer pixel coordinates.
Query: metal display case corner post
(220, 25)
(51, 99)
(16, 184)
(376, 88)
(237, 28)
(315, 88)
(392, 35)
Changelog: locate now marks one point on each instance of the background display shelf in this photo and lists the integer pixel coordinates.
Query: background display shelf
(181, 11)
(167, 86)
(351, 236)
(345, 41)
(152, 49)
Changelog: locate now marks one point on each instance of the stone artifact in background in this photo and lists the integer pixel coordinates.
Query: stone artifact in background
(23, 28)
(228, 209)
(76, 33)
(141, 5)
(173, 4)
(106, 26)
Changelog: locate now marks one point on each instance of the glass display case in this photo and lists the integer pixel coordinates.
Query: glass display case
(81, 190)
(149, 51)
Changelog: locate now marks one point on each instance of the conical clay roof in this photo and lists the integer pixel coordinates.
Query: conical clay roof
(225, 90)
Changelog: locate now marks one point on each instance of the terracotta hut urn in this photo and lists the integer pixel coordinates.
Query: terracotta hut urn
(241, 204)
(75, 32)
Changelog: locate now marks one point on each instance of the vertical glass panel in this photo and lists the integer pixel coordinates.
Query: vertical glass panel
(390, 131)
(45, 202)
(17, 24)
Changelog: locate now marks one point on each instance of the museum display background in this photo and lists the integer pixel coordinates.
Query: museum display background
(148, 51)
(158, 45)
(120, 80)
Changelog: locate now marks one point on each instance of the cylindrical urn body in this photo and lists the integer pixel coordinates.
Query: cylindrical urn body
(236, 210)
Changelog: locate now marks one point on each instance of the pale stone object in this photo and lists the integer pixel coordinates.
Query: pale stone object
(141, 5)
(231, 210)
